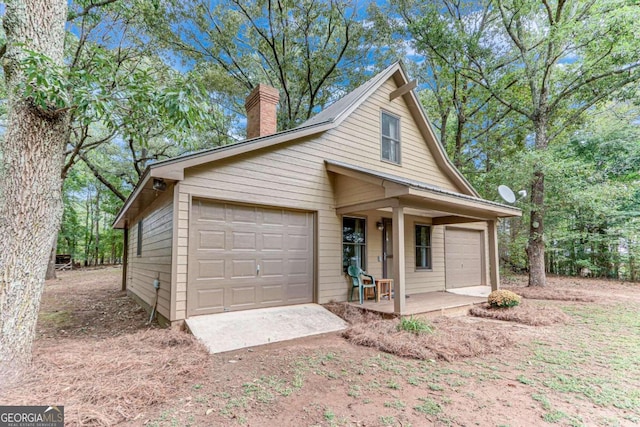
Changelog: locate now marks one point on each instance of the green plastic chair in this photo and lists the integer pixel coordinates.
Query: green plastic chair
(356, 273)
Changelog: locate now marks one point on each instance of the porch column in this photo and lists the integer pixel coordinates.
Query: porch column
(398, 260)
(494, 259)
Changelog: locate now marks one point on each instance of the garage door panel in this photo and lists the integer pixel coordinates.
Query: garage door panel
(273, 217)
(243, 296)
(211, 269)
(272, 242)
(298, 292)
(244, 241)
(243, 214)
(209, 211)
(243, 268)
(207, 300)
(299, 221)
(272, 294)
(272, 268)
(211, 240)
(228, 242)
(298, 242)
(463, 258)
(298, 267)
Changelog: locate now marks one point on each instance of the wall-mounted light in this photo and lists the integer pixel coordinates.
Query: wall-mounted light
(159, 184)
(379, 226)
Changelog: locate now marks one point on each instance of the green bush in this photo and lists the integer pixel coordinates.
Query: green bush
(415, 325)
(503, 299)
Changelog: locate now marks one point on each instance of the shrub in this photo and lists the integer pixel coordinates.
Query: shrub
(415, 325)
(503, 299)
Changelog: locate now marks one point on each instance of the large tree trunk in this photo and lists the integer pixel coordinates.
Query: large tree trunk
(535, 247)
(51, 266)
(30, 197)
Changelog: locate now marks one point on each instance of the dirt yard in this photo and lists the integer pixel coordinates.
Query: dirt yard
(95, 355)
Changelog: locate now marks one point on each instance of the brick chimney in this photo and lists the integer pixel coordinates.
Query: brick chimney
(261, 106)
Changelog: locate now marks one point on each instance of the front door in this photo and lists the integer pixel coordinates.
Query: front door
(387, 249)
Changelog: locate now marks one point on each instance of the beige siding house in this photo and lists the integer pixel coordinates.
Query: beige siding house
(275, 219)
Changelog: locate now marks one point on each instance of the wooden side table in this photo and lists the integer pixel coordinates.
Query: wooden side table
(383, 287)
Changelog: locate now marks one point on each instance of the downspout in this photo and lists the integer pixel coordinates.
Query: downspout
(156, 285)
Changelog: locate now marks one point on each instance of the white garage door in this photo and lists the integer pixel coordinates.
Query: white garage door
(464, 258)
(246, 257)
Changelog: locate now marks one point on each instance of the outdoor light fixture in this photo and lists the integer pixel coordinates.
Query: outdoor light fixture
(379, 226)
(159, 184)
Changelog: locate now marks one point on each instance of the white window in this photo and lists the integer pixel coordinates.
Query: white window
(390, 138)
(423, 246)
(354, 242)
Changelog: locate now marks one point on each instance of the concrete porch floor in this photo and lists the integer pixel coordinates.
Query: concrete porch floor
(433, 304)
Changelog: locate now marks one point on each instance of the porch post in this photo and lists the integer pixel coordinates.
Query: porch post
(398, 260)
(494, 260)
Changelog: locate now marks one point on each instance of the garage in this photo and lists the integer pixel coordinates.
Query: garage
(244, 257)
(464, 257)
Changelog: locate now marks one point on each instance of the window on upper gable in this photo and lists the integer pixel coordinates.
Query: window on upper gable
(390, 138)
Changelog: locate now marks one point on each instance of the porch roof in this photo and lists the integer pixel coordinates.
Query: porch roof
(445, 206)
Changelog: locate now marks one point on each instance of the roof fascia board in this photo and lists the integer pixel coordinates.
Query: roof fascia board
(367, 206)
(132, 197)
(485, 205)
(165, 168)
(381, 79)
(453, 219)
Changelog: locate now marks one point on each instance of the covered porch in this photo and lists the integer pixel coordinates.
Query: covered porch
(431, 304)
(399, 201)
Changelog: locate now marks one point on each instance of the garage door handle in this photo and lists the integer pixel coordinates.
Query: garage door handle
(258, 270)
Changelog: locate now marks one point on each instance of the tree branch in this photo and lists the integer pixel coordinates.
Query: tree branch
(102, 179)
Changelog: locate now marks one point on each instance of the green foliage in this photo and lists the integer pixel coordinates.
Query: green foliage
(503, 299)
(415, 325)
(308, 50)
(45, 83)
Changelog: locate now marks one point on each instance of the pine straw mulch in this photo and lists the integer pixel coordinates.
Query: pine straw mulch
(452, 338)
(550, 293)
(113, 380)
(528, 314)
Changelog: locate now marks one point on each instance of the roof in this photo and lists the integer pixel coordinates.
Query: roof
(498, 209)
(331, 117)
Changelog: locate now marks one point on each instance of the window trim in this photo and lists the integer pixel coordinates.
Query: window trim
(139, 240)
(398, 141)
(364, 245)
(429, 247)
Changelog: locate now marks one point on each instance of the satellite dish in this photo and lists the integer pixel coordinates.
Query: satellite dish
(507, 194)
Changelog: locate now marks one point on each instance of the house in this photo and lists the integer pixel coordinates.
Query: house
(275, 220)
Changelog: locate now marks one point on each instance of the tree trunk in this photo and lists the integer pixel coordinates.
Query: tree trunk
(51, 266)
(535, 247)
(30, 197)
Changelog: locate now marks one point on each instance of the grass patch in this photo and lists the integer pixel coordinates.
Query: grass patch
(601, 360)
(415, 325)
(396, 404)
(55, 319)
(428, 406)
(527, 314)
